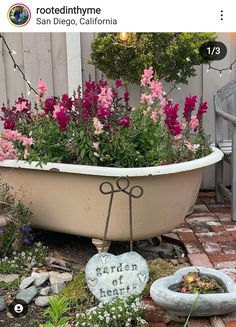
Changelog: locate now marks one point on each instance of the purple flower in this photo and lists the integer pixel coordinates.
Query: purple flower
(27, 241)
(26, 229)
(1, 231)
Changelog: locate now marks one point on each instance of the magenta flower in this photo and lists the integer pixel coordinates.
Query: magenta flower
(49, 105)
(171, 120)
(62, 118)
(189, 106)
(118, 82)
(126, 96)
(201, 110)
(125, 121)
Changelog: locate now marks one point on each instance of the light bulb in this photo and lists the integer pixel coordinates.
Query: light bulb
(13, 52)
(179, 88)
(187, 59)
(220, 74)
(123, 36)
(230, 69)
(29, 92)
(207, 71)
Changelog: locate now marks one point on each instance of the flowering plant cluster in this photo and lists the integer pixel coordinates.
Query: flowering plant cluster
(20, 261)
(98, 127)
(15, 228)
(119, 312)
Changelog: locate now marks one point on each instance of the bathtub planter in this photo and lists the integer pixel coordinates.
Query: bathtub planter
(66, 197)
(180, 304)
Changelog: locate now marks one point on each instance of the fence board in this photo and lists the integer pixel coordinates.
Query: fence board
(59, 63)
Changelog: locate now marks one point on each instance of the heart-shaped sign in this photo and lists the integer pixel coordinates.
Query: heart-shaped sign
(109, 276)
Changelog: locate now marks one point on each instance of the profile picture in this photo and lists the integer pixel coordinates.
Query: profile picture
(19, 15)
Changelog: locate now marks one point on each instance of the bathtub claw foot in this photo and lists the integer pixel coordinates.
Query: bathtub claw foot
(99, 245)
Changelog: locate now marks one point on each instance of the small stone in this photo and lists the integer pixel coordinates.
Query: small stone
(58, 287)
(26, 282)
(42, 301)
(67, 277)
(41, 278)
(59, 278)
(8, 278)
(174, 262)
(27, 294)
(2, 304)
(45, 291)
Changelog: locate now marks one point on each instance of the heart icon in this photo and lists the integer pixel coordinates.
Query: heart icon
(92, 282)
(109, 276)
(142, 277)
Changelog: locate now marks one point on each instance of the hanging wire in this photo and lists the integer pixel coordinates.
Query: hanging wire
(16, 66)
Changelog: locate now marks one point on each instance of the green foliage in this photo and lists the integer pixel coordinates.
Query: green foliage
(56, 313)
(118, 312)
(22, 260)
(77, 293)
(17, 215)
(170, 54)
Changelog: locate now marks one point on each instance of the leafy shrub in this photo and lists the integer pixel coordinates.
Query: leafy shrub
(172, 55)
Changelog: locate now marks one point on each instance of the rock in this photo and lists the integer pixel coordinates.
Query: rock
(41, 278)
(45, 290)
(42, 301)
(27, 294)
(58, 287)
(2, 304)
(26, 282)
(59, 278)
(8, 278)
(67, 277)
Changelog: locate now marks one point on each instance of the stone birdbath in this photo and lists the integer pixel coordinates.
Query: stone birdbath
(180, 304)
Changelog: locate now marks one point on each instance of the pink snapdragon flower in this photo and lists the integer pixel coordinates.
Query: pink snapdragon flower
(96, 145)
(147, 76)
(13, 135)
(146, 99)
(154, 116)
(194, 123)
(21, 106)
(42, 87)
(105, 97)
(98, 126)
(156, 89)
(7, 150)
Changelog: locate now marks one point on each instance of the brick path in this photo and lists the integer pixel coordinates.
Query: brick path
(209, 237)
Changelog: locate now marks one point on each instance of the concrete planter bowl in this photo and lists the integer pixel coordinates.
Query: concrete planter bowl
(66, 197)
(179, 304)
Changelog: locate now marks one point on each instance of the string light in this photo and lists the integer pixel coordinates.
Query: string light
(16, 66)
(123, 36)
(220, 70)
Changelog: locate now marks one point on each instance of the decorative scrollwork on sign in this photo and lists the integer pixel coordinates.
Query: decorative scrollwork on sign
(122, 185)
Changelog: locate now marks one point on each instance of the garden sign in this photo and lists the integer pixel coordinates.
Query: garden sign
(109, 276)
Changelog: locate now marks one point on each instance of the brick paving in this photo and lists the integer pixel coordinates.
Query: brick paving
(209, 237)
